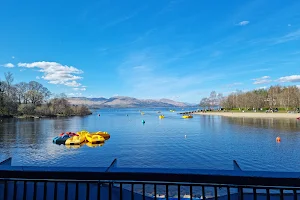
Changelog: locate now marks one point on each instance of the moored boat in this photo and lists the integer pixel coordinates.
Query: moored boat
(187, 116)
(61, 139)
(77, 139)
(94, 138)
(106, 135)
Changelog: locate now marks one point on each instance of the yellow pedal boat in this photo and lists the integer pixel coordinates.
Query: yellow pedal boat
(161, 116)
(187, 116)
(94, 138)
(103, 134)
(77, 139)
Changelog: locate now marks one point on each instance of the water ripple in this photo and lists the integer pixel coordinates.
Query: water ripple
(201, 142)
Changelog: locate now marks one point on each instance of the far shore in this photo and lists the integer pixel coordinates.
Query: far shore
(252, 115)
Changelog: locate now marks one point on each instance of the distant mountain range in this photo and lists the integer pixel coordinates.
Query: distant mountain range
(125, 102)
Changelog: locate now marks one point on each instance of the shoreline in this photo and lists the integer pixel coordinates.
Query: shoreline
(252, 115)
(39, 116)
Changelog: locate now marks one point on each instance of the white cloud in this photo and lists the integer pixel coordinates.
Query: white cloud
(262, 80)
(79, 89)
(8, 65)
(292, 78)
(13, 57)
(56, 73)
(243, 23)
(37, 77)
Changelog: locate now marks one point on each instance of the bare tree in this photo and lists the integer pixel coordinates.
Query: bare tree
(213, 98)
(205, 103)
(9, 80)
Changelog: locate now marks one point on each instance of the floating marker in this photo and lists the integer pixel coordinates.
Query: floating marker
(278, 139)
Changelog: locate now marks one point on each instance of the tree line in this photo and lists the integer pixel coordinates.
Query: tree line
(281, 97)
(33, 99)
(213, 100)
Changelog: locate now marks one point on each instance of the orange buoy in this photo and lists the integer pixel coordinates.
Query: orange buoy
(278, 139)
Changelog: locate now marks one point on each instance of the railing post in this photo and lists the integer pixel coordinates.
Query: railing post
(112, 165)
(236, 167)
(6, 162)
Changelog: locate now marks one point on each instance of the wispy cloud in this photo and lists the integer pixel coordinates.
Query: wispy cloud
(80, 89)
(56, 73)
(292, 78)
(263, 87)
(216, 53)
(8, 65)
(77, 94)
(296, 53)
(118, 21)
(13, 57)
(234, 84)
(121, 19)
(295, 35)
(243, 23)
(144, 76)
(262, 80)
(140, 67)
(37, 77)
(172, 5)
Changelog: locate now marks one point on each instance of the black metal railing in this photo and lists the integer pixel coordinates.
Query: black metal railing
(143, 184)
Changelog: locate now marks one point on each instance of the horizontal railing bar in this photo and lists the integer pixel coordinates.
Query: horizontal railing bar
(182, 184)
(264, 174)
(156, 177)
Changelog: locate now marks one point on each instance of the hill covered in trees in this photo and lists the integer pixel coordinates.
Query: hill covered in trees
(33, 99)
(282, 97)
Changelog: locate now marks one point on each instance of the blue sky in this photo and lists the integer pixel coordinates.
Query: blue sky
(177, 49)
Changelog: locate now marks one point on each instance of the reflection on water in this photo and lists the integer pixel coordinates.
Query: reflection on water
(92, 145)
(88, 144)
(284, 125)
(201, 142)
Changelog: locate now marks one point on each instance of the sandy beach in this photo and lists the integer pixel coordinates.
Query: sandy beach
(253, 115)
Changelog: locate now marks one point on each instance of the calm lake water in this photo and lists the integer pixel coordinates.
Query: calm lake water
(211, 142)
